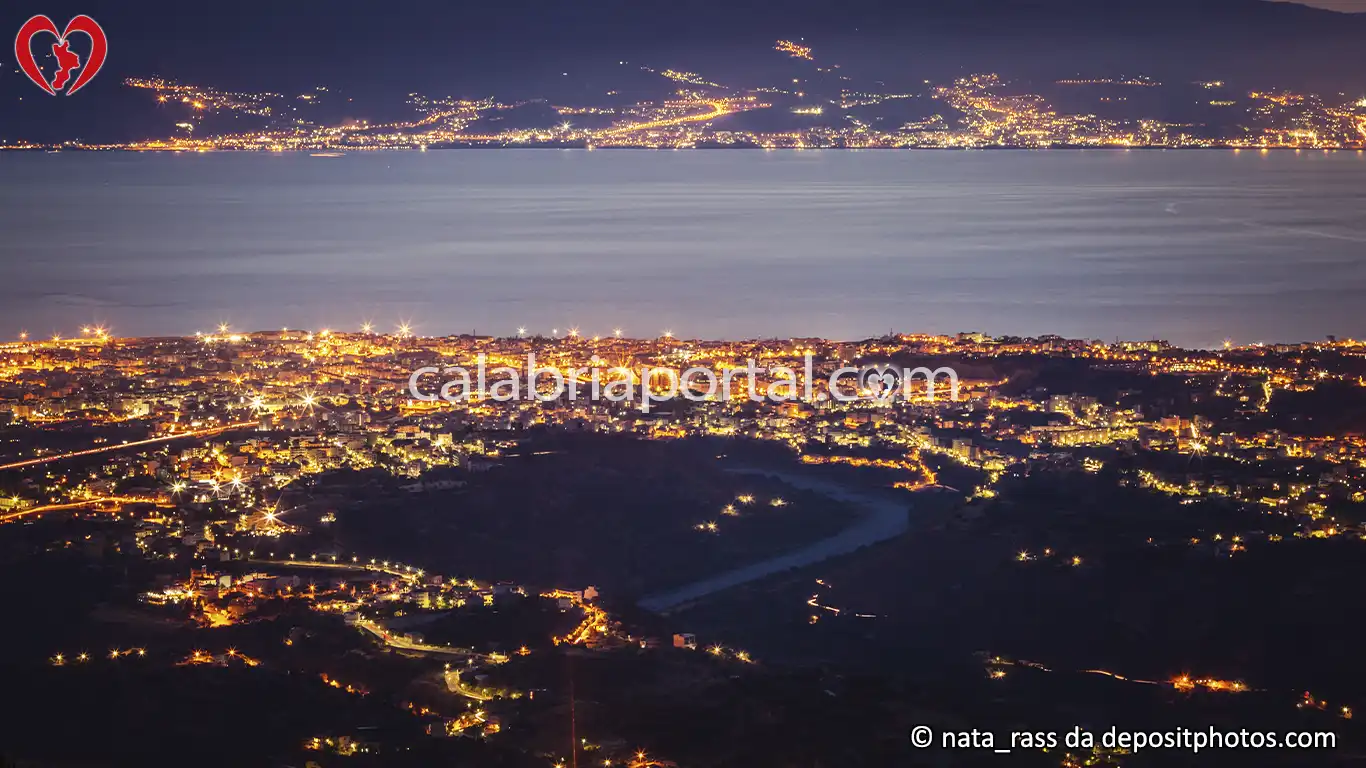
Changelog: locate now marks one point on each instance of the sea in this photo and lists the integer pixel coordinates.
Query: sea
(1195, 247)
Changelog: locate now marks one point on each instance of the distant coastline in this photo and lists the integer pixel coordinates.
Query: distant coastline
(320, 152)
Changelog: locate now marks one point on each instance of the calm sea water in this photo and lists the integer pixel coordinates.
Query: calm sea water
(1188, 246)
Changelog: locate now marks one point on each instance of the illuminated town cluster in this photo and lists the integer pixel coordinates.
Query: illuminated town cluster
(830, 107)
(794, 50)
(232, 422)
(291, 403)
(205, 100)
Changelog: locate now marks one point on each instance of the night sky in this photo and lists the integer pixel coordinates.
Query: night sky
(272, 44)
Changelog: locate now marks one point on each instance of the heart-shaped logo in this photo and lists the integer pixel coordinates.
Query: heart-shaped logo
(68, 61)
(882, 381)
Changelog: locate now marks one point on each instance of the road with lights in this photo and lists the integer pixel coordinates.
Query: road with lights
(718, 108)
(121, 446)
(77, 505)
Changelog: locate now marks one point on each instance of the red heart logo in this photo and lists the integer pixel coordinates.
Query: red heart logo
(67, 60)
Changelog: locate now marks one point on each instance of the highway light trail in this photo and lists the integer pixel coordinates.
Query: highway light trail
(121, 446)
(718, 110)
(76, 505)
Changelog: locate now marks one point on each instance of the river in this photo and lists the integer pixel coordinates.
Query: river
(883, 519)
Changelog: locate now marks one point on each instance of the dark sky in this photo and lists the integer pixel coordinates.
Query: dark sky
(302, 40)
(299, 37)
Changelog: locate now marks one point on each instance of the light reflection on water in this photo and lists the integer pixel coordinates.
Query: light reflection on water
(1190, 246)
